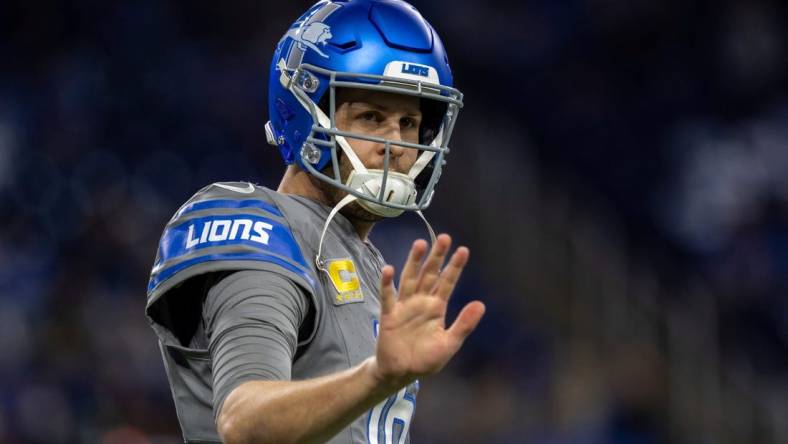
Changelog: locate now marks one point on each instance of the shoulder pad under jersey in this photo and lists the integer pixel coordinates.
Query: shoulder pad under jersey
(226, 226)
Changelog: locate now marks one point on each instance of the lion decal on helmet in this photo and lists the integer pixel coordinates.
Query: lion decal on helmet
(311, 35)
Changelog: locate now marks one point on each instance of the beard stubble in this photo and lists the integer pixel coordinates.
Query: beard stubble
(353, 211)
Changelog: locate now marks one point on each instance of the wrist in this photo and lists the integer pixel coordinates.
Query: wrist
(382, 383)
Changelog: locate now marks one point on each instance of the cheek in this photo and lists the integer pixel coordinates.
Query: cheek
(364, 149)
(409, 158)
(411, 135)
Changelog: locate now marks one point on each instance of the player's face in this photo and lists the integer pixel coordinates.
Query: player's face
(373, 113)
(390, 116)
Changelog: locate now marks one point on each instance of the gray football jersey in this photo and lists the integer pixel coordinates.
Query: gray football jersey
(233, 226)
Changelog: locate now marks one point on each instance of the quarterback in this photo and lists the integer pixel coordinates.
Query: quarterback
(277, 319)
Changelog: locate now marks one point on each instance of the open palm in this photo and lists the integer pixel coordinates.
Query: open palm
(413, 340)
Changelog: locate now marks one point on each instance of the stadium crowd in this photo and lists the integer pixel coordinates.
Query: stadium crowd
(619, 173)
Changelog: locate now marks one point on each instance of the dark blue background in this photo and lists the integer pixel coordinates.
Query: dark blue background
(620, 173)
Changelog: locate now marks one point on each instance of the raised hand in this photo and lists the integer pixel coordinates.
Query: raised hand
(413, 339)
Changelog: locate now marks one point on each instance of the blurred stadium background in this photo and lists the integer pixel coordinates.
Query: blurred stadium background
(620, 173)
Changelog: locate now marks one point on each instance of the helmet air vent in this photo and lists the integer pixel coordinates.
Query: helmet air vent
(402, 26)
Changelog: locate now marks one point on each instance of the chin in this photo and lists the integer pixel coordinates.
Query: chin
(355, 212)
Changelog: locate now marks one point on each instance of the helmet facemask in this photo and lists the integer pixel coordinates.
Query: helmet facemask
(380, 191)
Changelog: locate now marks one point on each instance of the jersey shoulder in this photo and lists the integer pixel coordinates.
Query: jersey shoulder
(227, 226)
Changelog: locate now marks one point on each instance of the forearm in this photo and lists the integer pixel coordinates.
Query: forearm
(306, 411)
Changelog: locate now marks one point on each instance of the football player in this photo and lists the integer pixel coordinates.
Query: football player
(277, 318)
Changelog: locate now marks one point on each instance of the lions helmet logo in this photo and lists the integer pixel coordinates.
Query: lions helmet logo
(311, 35)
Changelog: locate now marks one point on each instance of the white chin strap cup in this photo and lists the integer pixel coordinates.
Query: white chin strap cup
(347, 200)
(400, 190)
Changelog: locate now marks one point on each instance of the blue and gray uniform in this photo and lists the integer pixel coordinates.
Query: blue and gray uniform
(235, 295)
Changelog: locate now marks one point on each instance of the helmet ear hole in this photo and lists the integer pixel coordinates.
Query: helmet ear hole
(324, 104)
(424, 176)
(432, 113)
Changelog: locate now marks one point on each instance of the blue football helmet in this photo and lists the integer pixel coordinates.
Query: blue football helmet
(382, 45)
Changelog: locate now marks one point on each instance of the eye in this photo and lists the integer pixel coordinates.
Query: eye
(408, 123)
(369, 116)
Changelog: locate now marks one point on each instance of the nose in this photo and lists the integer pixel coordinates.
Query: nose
(393, 133)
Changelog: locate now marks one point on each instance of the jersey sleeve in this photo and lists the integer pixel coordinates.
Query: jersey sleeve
(224, 227)
(216, 230)
(252, 321)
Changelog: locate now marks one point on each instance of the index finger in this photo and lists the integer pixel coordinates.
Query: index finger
(410, 271)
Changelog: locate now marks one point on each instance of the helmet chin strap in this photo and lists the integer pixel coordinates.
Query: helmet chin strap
(342, 203)
(347, 200)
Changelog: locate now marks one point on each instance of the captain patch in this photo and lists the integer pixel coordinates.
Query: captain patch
(342, 273)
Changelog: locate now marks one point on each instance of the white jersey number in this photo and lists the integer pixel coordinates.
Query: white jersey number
(389, 421)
